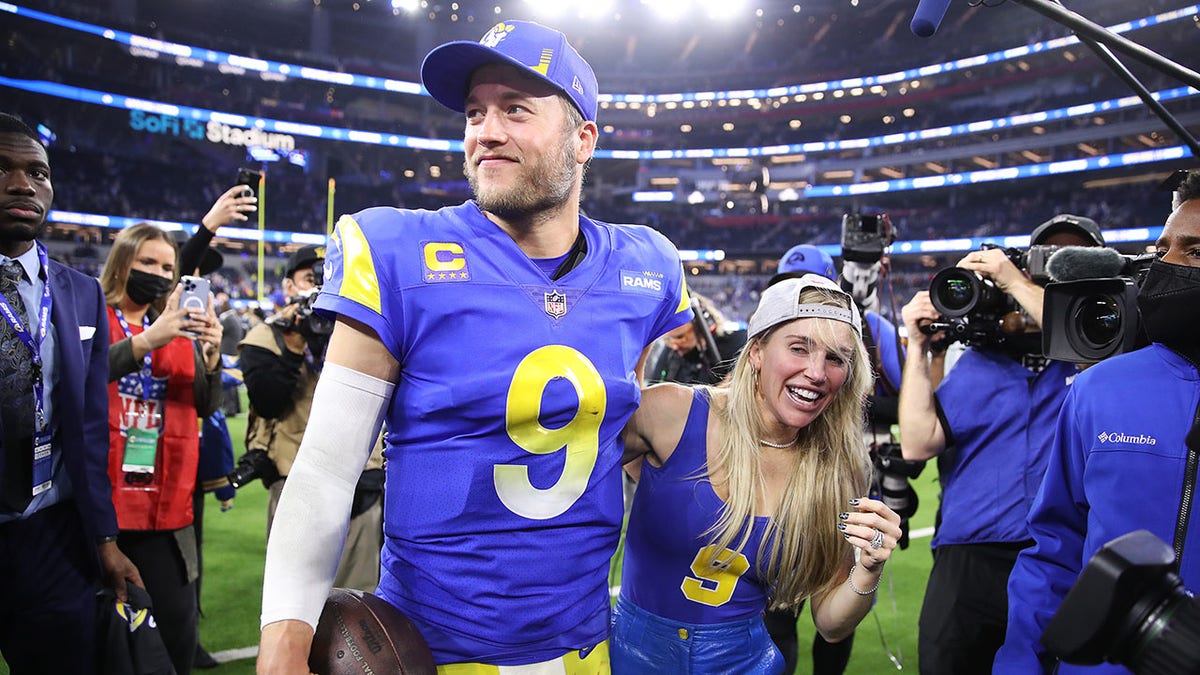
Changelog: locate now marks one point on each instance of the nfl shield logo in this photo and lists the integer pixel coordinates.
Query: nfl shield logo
(556, 304)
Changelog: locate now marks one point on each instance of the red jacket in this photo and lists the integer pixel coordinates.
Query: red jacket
(165, 501)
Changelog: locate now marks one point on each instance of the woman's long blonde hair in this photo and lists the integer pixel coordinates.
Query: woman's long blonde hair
(120, 259)
(802, 549)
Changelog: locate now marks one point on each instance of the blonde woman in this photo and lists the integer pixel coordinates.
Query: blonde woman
(758, 504)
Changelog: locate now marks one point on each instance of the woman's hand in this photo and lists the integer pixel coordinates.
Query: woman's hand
(209, 334)
(172, 323)
(874, 529)
(231, 206)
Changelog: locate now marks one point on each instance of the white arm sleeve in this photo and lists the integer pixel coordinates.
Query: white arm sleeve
(309, 532)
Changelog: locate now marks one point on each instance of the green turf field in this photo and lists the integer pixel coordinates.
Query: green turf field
(234, 546)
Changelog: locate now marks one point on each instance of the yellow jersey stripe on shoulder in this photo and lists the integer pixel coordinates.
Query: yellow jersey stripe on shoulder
(684, 301)
(360, 283)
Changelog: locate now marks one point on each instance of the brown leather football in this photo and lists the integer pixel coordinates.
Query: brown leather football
(362, 633)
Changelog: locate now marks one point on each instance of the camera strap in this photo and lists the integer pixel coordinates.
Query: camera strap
(1188, 493)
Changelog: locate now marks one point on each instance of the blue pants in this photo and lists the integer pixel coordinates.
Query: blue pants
(642, 642)
(48, 583)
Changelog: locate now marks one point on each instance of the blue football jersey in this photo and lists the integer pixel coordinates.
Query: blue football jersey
(668, 569)
(503, 496)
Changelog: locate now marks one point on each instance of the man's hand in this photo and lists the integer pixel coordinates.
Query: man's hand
(230, 206)
(283, 648)
(292, 338)
(118, 569)
(918, 312)
(994, 264)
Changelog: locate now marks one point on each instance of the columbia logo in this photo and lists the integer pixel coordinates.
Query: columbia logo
(1117, 437)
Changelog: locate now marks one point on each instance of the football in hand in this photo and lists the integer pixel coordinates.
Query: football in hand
(362, 633)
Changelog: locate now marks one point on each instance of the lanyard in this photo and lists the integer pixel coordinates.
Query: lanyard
(34, 343)
(145, 375)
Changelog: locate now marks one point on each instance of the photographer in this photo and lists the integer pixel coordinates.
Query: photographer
(989, 424)
(687, 356)
(1124, 455)
(281, 362)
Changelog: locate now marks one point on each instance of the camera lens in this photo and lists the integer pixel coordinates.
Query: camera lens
(955, 291)
(1098, 320)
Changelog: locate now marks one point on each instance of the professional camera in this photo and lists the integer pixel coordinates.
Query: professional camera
(976, 311)
(254, 464)
(865, 236)
(1090, 310)
(307, 322)
(892, 473)
(1129, 607)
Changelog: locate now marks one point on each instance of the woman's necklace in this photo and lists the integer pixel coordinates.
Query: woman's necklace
(780, 446)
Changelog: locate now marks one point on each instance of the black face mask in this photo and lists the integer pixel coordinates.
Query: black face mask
(1169, 303)
(144, 288)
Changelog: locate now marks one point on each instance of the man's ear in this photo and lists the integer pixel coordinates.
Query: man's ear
(589, 135)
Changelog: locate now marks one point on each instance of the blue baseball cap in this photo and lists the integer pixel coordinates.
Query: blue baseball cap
(804, 259)
(540, 51)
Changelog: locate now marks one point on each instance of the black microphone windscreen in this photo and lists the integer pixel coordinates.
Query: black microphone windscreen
(1085, 262)
(928, 17)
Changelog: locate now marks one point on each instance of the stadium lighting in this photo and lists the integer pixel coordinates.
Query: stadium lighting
(671, 10)
(789, 195)
(405, 5)
(596, 9)
(546, 8)
(696, 197)
(722, 9)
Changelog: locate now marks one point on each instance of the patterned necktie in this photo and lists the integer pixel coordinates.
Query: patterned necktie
(16, 399)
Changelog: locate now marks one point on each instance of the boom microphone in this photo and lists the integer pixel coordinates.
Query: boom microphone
(1071, 263)
(928, 17)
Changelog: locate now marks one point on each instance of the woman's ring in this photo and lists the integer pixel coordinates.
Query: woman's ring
(877, 540)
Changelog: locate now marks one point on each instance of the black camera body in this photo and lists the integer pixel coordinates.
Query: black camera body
(976, 311)
(1090, 311)
(306, 321)
(254, 464)
(865, 236)
(1129, 607)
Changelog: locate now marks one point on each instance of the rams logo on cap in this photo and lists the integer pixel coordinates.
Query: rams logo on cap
(494, 36)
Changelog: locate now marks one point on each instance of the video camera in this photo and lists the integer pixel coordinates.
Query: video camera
(1129, 607)
(1090, 310)
(975, 310)
(865, 236)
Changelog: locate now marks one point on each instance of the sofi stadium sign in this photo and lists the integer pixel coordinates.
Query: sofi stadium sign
(214, 132)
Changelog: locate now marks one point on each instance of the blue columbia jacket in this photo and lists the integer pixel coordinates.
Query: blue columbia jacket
(1118, 464)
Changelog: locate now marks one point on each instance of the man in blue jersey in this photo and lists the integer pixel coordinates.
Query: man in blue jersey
(1123, 453)
(500, 340)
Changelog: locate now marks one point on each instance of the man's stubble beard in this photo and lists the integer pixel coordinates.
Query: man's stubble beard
(19, 231)
(548, 185)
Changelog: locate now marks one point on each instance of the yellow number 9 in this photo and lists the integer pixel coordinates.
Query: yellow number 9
(721, 574)
(580, 437)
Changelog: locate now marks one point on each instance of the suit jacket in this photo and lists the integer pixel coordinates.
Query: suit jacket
(81, 397)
